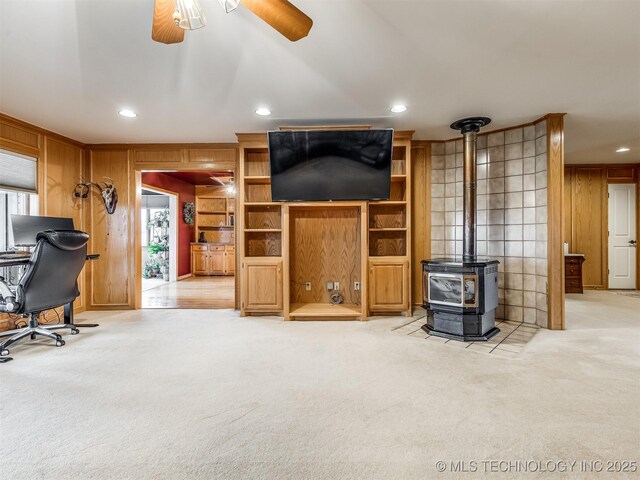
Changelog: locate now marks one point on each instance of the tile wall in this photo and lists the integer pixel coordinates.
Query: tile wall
(512, 214)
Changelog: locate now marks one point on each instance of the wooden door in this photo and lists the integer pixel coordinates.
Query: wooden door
(262, 278)
(388, 290)
(622, 235)
(230, 262)
(199, 264)
(216, 262)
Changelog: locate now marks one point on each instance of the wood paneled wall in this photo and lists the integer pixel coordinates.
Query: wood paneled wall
(115, 281)
(112, 278)
(420, 214)
(555, 221)
(61, 164)
(586, 215)
(325, 246)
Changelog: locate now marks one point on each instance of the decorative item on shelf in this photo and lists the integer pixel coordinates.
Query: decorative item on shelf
(201, 238)
(108, 192)
(189, 212)
(231, 220)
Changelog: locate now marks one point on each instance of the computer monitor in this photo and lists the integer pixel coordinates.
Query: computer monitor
(26, 227)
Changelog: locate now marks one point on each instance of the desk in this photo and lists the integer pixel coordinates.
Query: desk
(23, 259)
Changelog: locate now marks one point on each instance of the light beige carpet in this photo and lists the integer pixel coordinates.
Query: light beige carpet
(209, 395)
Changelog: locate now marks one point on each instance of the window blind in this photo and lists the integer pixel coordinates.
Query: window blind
(17, 172)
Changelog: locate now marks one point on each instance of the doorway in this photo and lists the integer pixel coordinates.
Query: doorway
(158, 217)
(622, 241)
(204, 221)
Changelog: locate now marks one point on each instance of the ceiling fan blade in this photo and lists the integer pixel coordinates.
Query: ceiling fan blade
(283, 16)
(165, 29)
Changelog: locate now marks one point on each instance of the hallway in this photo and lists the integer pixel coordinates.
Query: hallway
(213, 292)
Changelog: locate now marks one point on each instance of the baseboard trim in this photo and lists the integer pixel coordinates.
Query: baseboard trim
(183, 277)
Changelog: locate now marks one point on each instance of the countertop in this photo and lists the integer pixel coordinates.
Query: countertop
(574, 254)
(214, 243)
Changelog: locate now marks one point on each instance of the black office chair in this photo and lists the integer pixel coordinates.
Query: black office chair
(50, 281)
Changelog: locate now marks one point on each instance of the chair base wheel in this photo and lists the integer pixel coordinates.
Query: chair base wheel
(4, 352)
(59, 343)
(75, 331)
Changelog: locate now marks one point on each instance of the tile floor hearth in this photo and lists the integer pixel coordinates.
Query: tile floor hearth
(511, 340)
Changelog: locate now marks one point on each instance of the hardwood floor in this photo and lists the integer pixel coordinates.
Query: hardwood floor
(194, 292)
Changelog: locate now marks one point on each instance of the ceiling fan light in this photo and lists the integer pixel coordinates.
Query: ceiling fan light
(188, 15)
(229, 5)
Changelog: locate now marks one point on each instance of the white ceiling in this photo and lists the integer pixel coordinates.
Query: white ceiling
(69, 66)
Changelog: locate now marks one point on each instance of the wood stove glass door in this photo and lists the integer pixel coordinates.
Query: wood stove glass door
(445, 289)
(471, 290)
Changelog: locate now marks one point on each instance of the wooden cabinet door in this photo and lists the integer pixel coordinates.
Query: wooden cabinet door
(230, 262)
(262, 282)
(388, 287)
(216, 262)
(199, 262)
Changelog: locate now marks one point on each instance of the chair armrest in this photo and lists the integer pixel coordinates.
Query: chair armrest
(7, 298)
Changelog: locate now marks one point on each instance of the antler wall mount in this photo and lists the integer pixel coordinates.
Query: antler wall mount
(107, 191)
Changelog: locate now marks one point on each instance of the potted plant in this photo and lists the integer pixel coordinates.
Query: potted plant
(160, 219)
(159, 246)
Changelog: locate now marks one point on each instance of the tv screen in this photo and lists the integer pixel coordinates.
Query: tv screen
(324, 165)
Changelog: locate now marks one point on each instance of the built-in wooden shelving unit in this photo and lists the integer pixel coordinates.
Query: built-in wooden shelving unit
(285, 246)
(215, 219)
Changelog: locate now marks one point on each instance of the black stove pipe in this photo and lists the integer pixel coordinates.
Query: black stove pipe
(469, 127)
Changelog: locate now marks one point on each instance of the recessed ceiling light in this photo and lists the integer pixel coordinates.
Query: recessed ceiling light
(128, 113)
(623, 149)
(399, 108)
(263, 111)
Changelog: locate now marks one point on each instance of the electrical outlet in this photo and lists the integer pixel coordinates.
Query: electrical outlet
(329, 285)
(356, 286)
(307, 286)
(336, 285)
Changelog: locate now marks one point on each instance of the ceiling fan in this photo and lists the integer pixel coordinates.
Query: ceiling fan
(172, 17)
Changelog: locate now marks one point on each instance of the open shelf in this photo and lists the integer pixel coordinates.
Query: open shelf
(387, 229)
(257, 192)
(388, 215)
(218, 235)
(206, 220)
(324, 310)
(256, 162)
(263, 243)
(259, 179)
(263, 216)
(399, 161)
(262, 230)
(387, 243)
(398, 178)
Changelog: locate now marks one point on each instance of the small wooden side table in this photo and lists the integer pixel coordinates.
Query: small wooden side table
(573, 272)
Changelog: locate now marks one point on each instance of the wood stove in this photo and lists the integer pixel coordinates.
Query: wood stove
(460, 294)
(460, 297)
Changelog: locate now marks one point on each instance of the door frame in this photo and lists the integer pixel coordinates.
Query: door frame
(160, 167)
(174, 201)
(637, 215)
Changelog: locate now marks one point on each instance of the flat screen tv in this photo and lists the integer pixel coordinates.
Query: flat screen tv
(330, 165)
